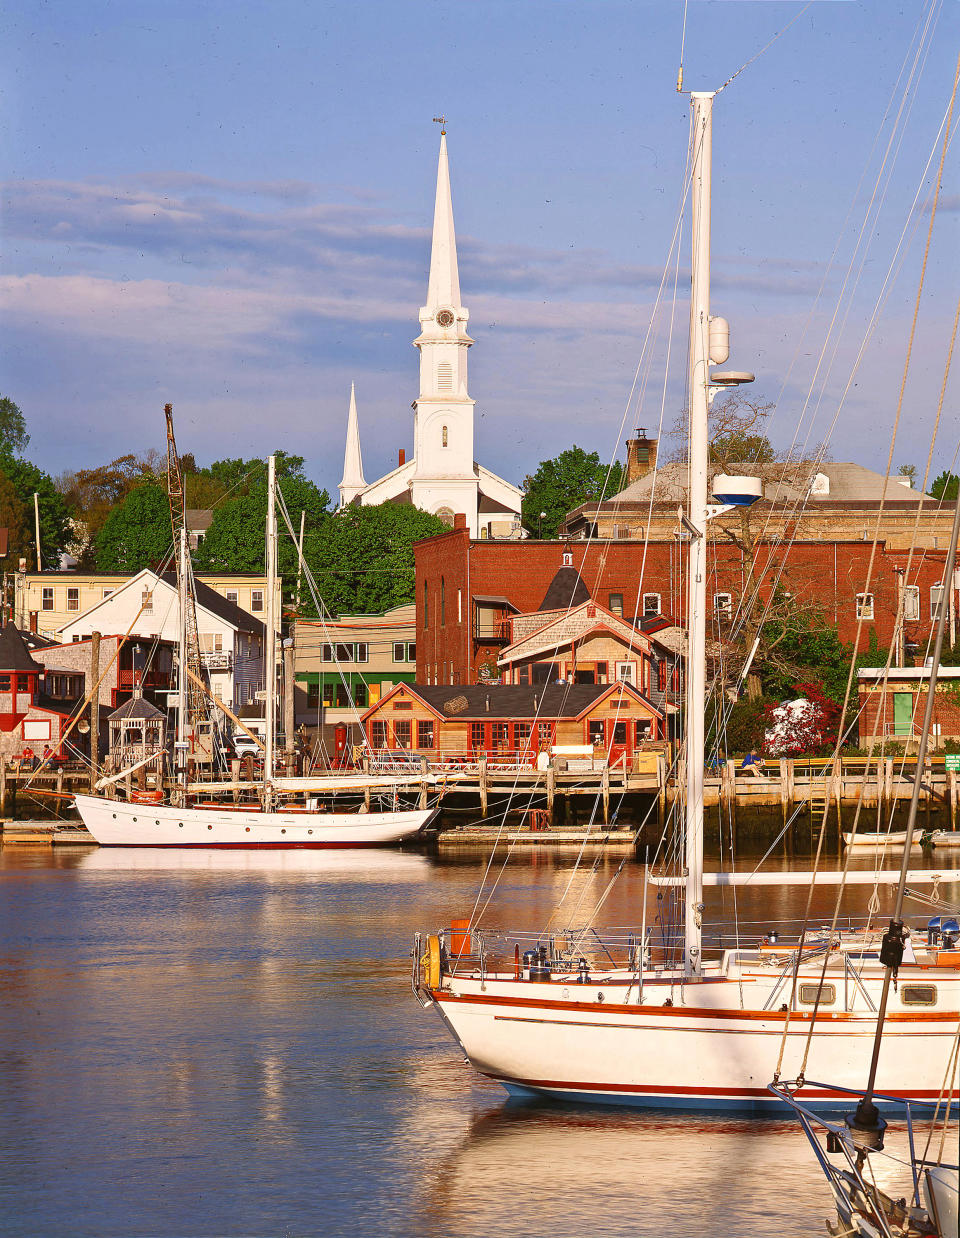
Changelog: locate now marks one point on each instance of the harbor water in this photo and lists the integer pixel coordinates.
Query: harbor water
(226, 1043)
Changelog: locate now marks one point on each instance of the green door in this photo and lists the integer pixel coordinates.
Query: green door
(903, 713)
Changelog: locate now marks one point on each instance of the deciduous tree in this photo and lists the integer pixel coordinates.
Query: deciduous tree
(362, 557)
(13, 428)
(563, 483)
(137, 533)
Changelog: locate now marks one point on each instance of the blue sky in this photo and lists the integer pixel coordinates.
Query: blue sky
(227, 206)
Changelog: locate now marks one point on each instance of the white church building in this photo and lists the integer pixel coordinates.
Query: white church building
(443, 476)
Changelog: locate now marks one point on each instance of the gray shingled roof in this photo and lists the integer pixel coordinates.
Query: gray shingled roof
(565, 591)
(218, 605)
(482, 702)
(14, 654)
(783, 483)
(137, 707)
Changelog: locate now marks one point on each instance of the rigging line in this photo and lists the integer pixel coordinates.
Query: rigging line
(649, 335)
(855, 195)
(933, 212)
(683, 39)
(864, 231)
(766, 46)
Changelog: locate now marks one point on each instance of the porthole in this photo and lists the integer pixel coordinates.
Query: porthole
(919, 994)
(309, 831)
(209, 827)
(181, 825)
(248, 829)
(134, 819)
(283, 831)
(114, 816)
(157, 823)
(808, 994)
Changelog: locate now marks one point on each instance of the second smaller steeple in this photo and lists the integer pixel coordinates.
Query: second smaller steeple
(353, 483)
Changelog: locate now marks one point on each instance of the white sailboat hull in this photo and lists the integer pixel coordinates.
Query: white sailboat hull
(117, 823)
(594, 1043)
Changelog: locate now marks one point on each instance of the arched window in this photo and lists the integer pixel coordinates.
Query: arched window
(446, 515)
(443, 602)
(445, 437)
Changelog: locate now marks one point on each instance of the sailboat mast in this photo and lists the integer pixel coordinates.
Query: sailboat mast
(270, 648)
(697, 559)
(182, 746)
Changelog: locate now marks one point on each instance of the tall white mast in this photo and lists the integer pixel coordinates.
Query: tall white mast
(182, 746)
(697, 562)
(270, 649)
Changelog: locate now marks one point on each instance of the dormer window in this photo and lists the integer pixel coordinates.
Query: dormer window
(568, 560)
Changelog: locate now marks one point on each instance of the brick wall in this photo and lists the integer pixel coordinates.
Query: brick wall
(824, 576)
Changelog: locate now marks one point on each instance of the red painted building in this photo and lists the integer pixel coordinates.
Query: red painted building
(467, 590)
(29, 722)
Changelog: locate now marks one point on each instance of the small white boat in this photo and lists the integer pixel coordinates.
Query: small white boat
(117, 823)
(891, 838)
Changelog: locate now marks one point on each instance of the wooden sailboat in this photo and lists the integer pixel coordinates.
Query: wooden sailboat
(620, 1020)
(309, 820)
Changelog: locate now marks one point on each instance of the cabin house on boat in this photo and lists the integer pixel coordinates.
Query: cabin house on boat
(29, 721)
(443, 721)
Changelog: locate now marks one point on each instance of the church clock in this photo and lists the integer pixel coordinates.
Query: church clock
(445, 318)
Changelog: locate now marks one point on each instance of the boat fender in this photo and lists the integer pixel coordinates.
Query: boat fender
(600, 997)
(430, 963)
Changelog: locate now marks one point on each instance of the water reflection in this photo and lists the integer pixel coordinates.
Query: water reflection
(346, 865)
(536, 1169)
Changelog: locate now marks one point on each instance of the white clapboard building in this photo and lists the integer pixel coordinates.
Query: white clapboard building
(147, 605)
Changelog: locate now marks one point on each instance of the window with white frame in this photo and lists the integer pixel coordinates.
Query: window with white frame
(936, 602)
(146, 602)
(256, 599)
(651, 605)
(864, 605)
(627, 672)
(362, 651)
(911, 602)
(399, 651)
(232, 596)
(73, 599)
(46, 598)
(723, 606)
(568, 560)
(107, 592)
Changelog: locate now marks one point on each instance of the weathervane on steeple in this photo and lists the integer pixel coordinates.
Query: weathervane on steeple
(442, 122)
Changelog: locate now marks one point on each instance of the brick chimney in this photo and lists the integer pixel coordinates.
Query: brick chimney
(641, 457)
(460, 520)
(403, 458)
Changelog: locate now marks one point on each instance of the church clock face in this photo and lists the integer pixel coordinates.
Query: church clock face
(445, 318)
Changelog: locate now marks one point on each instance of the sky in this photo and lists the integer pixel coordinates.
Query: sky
(227, 206)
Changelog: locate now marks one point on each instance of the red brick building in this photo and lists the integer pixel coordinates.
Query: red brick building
(467, 589)
(892, 705)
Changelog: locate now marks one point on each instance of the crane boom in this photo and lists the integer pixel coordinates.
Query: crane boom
(196, 698)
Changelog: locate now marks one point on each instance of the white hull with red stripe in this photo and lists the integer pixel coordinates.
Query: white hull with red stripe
(117, 823)
(714, 1046)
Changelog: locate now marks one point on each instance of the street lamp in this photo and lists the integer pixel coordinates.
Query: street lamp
(543, 516)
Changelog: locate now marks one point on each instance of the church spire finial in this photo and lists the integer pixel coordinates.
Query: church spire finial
(353, 483)
(443, 290)
(442, 122)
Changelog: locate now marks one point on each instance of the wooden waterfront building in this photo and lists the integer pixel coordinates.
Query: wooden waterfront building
(441, 721)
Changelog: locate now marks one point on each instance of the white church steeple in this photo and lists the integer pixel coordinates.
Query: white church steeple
(443, 421)
(353, 483)
(442, 477)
